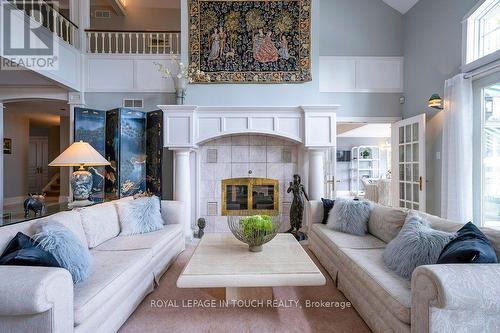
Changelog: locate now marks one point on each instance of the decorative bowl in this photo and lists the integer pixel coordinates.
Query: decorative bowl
(254, 230)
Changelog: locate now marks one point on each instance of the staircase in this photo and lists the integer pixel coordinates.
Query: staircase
(53, 188)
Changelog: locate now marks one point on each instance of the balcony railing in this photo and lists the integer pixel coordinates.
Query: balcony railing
(49, 17)
(133, 42)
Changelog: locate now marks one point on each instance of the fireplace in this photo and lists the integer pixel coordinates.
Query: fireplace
(250, 196)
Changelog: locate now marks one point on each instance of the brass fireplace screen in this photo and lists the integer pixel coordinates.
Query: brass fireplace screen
(250, 196)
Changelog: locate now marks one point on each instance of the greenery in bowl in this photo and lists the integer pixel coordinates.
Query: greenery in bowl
(254, 230)
(257, 226)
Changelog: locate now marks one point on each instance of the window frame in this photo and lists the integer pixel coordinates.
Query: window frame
(467, 43)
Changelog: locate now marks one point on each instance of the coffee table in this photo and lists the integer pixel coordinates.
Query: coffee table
(222, 261)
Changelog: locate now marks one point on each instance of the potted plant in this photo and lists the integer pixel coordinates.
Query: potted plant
(365, 154)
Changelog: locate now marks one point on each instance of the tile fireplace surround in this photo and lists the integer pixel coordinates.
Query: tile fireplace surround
(241, 156)
(215, 143)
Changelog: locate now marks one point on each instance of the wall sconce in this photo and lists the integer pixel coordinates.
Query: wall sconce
(436, 102)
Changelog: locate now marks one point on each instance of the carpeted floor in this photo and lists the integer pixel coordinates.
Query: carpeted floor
(165, 317)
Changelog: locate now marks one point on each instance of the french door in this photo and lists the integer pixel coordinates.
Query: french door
(486, 152)
(408, 163)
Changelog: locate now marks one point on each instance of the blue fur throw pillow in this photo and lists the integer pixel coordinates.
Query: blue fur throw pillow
(140, 216)
(416, 244)
(350, 216)
(66, 248)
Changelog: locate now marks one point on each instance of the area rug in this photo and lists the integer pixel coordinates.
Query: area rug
(296, 309)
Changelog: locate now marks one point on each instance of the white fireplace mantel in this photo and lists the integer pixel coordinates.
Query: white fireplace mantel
(187, 126)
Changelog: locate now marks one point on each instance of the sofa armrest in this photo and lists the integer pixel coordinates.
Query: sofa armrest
(29, 290)
(172, 212)
(454, 287)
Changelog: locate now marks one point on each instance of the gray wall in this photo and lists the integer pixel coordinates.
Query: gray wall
(339, 27)
(433, 53)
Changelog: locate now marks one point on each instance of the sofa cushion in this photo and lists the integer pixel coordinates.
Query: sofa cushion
(470, 246)
(70, 220)
(154, 240)
(342, 240)
(69, 252)
(386, 222)
(438, 223)
(111, 272)
(100, 223)
(367, 267)
(417, 244)
(350, 216)
(139, 216)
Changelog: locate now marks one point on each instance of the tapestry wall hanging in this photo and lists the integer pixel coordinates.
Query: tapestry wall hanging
(250, 41)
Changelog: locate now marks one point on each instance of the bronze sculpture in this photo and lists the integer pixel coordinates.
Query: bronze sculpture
(297, 207)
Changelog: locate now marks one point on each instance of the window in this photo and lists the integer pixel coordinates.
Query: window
(491, 156)
(482, 31)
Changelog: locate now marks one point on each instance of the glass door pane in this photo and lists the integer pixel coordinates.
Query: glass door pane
(491, 156)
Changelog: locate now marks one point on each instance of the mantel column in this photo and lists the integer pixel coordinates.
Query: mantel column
(316, 174)
(182, 185)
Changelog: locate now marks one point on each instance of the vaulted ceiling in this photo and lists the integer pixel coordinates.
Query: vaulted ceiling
(401, 5)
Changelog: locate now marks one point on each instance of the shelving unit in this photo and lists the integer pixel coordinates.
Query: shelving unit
(362, 167)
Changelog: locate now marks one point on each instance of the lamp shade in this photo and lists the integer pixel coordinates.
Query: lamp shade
(436, 102)
(79, 154)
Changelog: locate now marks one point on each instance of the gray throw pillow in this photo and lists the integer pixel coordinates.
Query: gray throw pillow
(140, 216)
(66, 248)
(416, 244)
(350, 216)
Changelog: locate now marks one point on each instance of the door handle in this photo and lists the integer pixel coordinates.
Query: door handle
(421, 183)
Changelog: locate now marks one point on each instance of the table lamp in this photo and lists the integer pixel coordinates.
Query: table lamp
(83, 155)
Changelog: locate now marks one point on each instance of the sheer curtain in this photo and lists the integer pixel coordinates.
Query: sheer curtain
(456, 176)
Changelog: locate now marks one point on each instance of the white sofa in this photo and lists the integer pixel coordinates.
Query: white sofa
(439, 298)
(125, 269)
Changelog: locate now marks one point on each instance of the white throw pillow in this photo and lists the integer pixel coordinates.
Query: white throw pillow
(100, 223)
(139, 216)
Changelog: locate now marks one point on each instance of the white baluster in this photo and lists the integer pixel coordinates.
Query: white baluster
(123, 42)
(165, 43)
(116, 41)
(67, 32)
(103, 36)
(87, 37)
(136, 43)
(170, 37)
(129, 43)
(109, 42)
(144, 51)
(178, 48)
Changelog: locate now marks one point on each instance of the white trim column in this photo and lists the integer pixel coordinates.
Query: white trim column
(182, 185)
(316, 174)
(1, 165)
